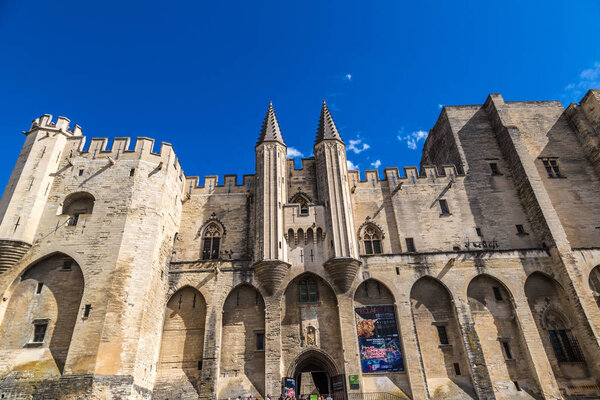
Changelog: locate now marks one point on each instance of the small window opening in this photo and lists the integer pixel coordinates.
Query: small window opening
(551, 165)
(507, 352)
(39, 332)
(397, 270)
(307, 291)
(410, 245)
(478, 230)
(444, 207)
(260, 341)
(497, 293)
(494, 168)
(67, 265)
(456, 369)
(80, 172)
(40, 286)
(517, 386)
(87, 310)
(443, 335)
(132, 172)
(520, 230)
(199, 365)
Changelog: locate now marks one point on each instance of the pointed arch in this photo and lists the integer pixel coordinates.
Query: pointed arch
(76, 204)
(182, 341)
(212, 234)
(42, 311)
(493, 313)
(435, 321)
(373, 292)
(243, 337)
(303, 200)
(594, 282)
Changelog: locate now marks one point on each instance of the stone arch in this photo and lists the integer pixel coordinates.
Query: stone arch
(373, 292)
(300, 238)
(299, 316)
(501, 339)
(182, 343)
(242, 361)
(370, 237)
(440, 339)
(594, 282)
(76, 204)
(547, 299)
(47, 293)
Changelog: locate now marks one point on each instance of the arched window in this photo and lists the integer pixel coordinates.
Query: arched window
(371, 236)
(307, 291)
(564, 344)
(303, 200)
(77, 204)
(211, 241)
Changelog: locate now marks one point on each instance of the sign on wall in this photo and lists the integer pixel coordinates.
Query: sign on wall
(378, 339)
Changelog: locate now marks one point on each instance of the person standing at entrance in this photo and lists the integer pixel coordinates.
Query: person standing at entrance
(328, 397)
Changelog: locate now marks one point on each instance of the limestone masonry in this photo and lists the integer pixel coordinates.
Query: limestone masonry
(476, 275)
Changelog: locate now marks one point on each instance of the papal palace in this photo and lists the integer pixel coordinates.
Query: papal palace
(474, 276)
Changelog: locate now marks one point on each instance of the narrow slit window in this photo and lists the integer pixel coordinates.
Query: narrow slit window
(443, 335)
(132, 172)
(39, 288)
(520, 230)
(507, 352)
(478, 230)
(494, 168)
(39, 332)
(87, 310)
(444, 207)
(456, 369)
(80, 172)
(67, 265)
(497, 293)
(517, 386)
(410, 245)
(260, 341)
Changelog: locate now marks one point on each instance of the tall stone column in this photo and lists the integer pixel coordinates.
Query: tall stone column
(212, 351)
(411, 352)
(349, 339)
(273, 359)
(482, 382)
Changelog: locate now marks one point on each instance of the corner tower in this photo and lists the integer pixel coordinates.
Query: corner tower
(334, 192)
(27, 191)
(270, 250)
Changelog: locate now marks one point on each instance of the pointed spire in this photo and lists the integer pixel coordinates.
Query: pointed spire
(270, 131)
(327, 128)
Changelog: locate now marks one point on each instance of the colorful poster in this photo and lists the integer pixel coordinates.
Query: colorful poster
(378, 338)
(289, 387)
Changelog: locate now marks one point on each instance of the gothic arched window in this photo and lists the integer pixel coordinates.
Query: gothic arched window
(371, 237)
(211, 241)
(303, 201)
(307, 291)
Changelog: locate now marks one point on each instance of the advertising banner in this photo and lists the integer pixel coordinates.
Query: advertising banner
(378, 338)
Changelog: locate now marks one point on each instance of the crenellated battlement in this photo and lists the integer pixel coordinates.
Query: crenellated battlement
(122, 149)
(391, 175)
(61, 125)
(211, 184)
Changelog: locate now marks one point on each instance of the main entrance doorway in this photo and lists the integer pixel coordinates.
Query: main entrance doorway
(314, 373)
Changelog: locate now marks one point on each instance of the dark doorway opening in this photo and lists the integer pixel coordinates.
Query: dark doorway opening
(312, 379)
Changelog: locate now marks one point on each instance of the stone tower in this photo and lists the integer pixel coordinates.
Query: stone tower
(334, 191)
(270, 249)
(24, 199)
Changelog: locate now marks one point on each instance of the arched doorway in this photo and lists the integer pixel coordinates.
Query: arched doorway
(313, 373)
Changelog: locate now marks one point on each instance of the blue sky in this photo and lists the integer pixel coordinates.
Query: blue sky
(200, 75)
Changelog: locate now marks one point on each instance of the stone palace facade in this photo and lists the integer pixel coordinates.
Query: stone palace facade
(474, 276)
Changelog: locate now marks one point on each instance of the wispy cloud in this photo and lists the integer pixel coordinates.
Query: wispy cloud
(376, 164)
(351, 165)
(357, 146)
(588, 79)
(293, 153)
(348, 77)
(440, 106)
(413, 139)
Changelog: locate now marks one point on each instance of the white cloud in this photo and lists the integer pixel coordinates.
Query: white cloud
(351, 165)
(348, 77)
(588, 79)
(440, 106)
(293, 153)
(357, 146)
(376, 164)
(413, 139)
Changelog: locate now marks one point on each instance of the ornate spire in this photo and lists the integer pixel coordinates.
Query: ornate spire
(270, 131)
(327, 129)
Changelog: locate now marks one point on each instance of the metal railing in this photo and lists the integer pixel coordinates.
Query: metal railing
(374, 396)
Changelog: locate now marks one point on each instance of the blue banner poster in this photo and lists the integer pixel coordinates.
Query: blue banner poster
(378, 338)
